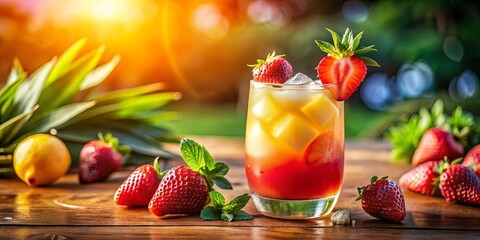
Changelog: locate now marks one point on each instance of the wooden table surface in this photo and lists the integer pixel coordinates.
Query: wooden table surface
(68, 210)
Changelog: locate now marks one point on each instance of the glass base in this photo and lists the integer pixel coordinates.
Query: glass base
(294, 209)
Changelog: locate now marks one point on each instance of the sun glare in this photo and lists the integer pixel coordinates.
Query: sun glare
(104, 9)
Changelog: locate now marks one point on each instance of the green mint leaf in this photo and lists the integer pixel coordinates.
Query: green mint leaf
(210, 213)
(222, 182)
(217, 199)
(227, 217)
(242, 215)
(208, 159)
(237, 203)
(192, 153)
(219, 169)
(209, 183)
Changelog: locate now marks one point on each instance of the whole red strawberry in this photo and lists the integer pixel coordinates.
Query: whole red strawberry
(182, 191)
(472, 159)
(421, 179)
(436, 144)
(460, 184)
(383, 199)
(138, 189)
(274, 69)
(342, 66)
(100, 158)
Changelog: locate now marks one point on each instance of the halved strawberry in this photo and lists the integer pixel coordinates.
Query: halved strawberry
(274, 69)
(342, 66)
(321, 149)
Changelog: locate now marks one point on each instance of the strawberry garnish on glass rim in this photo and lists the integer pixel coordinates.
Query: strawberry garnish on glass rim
(343, 66)
(274, 69)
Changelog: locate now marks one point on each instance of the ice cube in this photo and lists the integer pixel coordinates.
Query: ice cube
(299, 78)
(316, 83)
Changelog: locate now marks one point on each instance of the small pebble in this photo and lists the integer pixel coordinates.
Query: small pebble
(341, 217)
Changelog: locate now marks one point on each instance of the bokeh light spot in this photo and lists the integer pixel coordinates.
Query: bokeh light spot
(453, 48)
(377, 91)
(266, 12)
(465, 86)
(414, 80)
(355, 11)
(207, 18)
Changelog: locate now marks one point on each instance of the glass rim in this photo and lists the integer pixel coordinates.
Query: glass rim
(281, 86)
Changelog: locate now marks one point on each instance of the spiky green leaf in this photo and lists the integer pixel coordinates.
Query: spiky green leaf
(99, 74)
(326, 47)
(370, 62)
(65, 60)
(62, 90)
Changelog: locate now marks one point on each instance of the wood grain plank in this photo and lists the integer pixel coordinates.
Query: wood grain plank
(68, 203)
(212, 232)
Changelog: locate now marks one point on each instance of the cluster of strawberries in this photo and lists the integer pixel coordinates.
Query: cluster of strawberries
(439, 169)
(182, 190)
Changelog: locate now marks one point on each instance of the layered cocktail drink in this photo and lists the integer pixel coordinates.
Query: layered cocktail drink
(294, 142)
(294, 148)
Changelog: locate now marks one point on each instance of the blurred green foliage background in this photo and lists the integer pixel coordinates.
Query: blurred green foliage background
(427, 50)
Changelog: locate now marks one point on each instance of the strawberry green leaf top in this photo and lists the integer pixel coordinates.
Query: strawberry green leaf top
(114, 143)
(347, 46)
(343, 66)
(199, 159)
(227, 212)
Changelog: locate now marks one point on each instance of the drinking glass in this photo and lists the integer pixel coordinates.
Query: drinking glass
(294, 149)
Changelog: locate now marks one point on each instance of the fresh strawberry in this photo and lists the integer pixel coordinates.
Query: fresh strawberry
(184, 190)
(472, 160)
(436, 144)
(342, 66)
(383, 199)
(138, 189)
(460, 184)
(421, 179)
(274, 69)
(100, 158)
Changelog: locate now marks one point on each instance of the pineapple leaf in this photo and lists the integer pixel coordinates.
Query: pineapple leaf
(61, 91)
(7, 95)
(97, 76)
(65, 60)
(9, 128)
(16, 70)
(29, 92)
(122, 94)
(126, 107)
(56, 117)
(137, 145)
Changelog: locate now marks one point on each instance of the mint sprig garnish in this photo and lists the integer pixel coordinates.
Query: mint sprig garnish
(227, 212)
(199, 159)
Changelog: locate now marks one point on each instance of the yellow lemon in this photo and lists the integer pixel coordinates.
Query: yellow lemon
(41, 159)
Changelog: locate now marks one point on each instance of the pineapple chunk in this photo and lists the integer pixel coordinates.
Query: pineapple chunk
(322, 111)
(294, 130)
(259, 142)
(265, 109)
